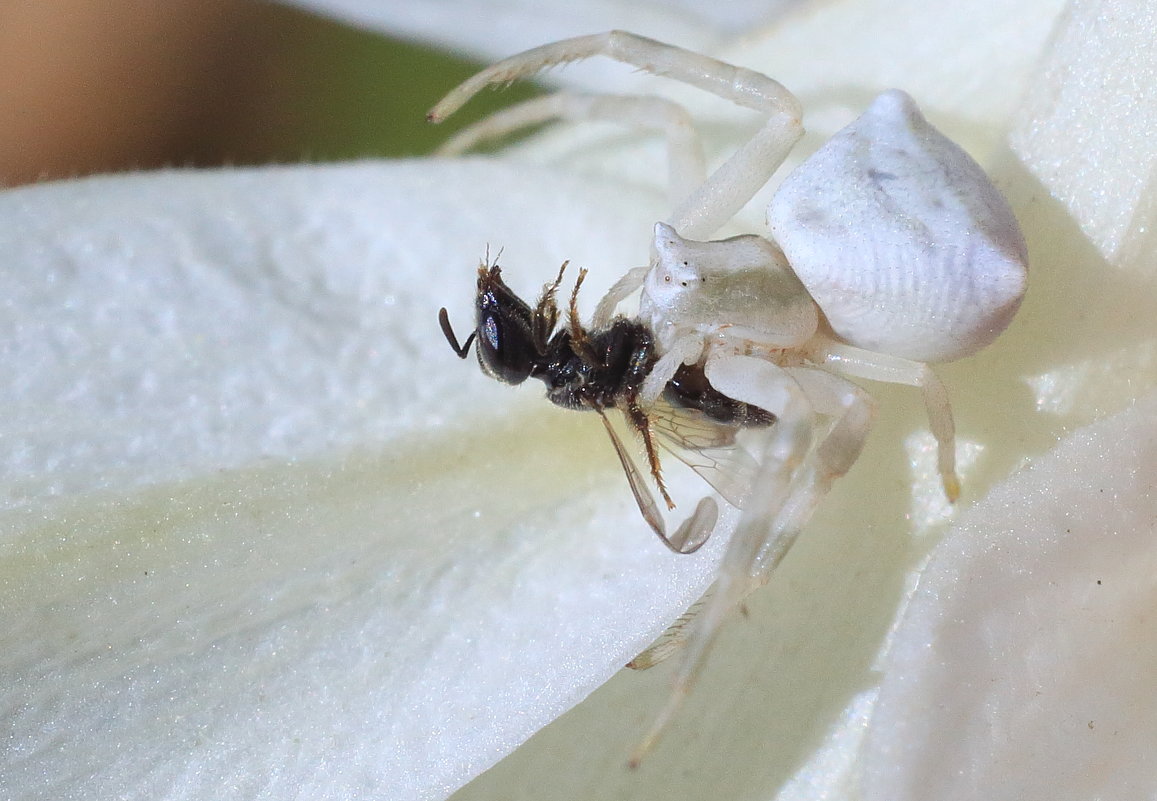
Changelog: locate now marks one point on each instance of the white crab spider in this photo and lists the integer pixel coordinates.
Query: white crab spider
(890, 249)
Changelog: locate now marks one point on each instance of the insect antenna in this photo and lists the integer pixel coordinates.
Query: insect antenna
(461, 350)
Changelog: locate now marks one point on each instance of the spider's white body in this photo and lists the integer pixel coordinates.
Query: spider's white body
(901, 238)
(890, 249)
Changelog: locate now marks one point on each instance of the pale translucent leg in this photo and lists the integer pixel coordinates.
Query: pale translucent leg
(686, 169)
(736, 181)
(853, 412)
(742, 86)
(619, 291)
(685, 350)
(689, 348)
(670, 641)
(794, 478)
(860, 363)
(766, 385)
(726, 191)
(850, 407)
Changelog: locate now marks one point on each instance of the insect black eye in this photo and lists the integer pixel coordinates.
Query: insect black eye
(491, 334)
(506, 348)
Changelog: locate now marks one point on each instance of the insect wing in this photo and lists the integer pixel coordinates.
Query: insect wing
(694, 531)
(707, 447)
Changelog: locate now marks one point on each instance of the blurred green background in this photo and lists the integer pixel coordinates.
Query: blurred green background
(92, 86)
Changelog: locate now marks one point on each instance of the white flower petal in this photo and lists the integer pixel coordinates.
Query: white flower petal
(265, 535)
(967, 68)
(1024, 665)
(1086, 130)
(201, 320)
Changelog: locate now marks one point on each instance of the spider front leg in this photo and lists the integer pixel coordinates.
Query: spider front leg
(619, 291)
(798, 470)
(726, 191)
(761, 383)
(852, 411)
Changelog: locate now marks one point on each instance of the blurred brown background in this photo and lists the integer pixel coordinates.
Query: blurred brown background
(104, 85)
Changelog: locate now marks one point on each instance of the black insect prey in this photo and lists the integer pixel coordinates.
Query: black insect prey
(597, 370)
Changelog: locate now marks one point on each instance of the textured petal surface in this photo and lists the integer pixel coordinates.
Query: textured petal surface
(1024, 665)
(1087, 125)
(264, 535)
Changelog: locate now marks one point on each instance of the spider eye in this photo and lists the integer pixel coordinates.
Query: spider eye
(667, 278)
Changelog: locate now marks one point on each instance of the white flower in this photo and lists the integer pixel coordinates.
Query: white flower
(263, 536)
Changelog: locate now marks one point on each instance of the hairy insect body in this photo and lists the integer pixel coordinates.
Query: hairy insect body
(606, 370)
(582, 368)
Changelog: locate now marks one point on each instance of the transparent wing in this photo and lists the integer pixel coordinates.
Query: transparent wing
(707, 447)
(692, 533)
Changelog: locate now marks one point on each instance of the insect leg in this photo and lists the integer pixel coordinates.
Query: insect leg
(638, 420)
(671, 640)
(579, 340)
(546, 312)
(694, 531)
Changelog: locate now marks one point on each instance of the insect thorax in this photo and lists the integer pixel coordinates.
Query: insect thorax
(599, 370)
